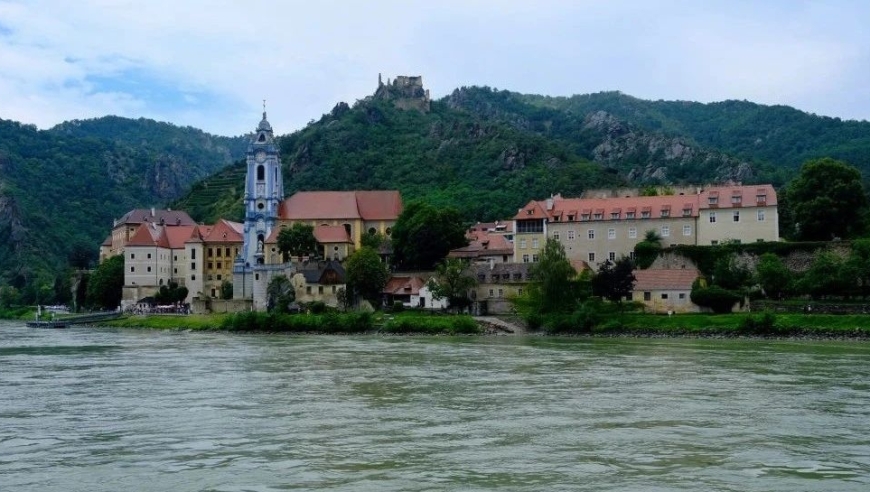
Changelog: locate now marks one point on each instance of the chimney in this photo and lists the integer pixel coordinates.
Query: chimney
(550, 203)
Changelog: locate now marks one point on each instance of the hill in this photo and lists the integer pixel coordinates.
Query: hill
(61, 188)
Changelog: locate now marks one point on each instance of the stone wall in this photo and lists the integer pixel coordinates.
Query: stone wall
(220, 306)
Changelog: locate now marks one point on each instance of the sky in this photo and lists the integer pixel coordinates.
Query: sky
(210, 64)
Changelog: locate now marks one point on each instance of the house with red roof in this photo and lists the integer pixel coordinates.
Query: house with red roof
(666, 290)
(356, 212)
(124, 228)
(598, 229)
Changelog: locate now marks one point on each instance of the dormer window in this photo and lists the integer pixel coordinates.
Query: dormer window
(598, 216)
(645, 214)
(570, 218)
(614, 215)
(736, 198)
(262, 138)
(666, 212)
(687, 212)
(584, 217)
(629, 215)
(530, 212)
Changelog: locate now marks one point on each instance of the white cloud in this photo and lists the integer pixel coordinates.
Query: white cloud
(209, 64)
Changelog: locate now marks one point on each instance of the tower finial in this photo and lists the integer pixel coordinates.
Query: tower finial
(264, 109)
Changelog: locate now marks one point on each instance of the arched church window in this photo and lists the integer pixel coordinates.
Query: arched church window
(261, 173)
(262, 138)
(347, 229)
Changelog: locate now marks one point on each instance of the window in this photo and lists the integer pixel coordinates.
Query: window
(611, 256)
(713, 200)
(632, 232)
(556, 235)
(666, 212)
(647, 296)
(666, 231)
(501, 292)
(175, 271)
(520, 291)
(219, 266)
(213, 293)
(491, 293)
(193, 277)
(210, 252)
(632, 256)
(682, 295)
(522, 244)
(664, 295)
(570, 218)
(175, 258)
(192, 266)
(132, 256)
(481, 277)
(629, 215)
(591, 233)
(149, 256)
(518, 276)
(219, 277)
(308, 289)
(584, 216)
(737, 216)
(320, 289)
(525, 258)
(192, 254)
(611, 233)
(687, 230)
(598, 216)
(219, 252)
(614, 215)
(712, 217)
(210, 266)
(760, 215)
(534, 258)
(535, 243)
(687, 212)
(644, 215)
(714, 242)
(571, 235)
(535, 225)
(736, 199)
(591, 257)
(148, 269)
(227, 252)
(132, 269)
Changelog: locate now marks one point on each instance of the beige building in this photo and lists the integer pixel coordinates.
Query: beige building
(666, 290)
(595, 230)
(124, 228)
(497, 284)
(356, 212)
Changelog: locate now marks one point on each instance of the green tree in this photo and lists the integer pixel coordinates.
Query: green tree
(106, 284)
(646, 251)
(297, 240)
(366, 275)
(614, 281)
(171, 294)
(773, 276)
(827, 200)
(553, 276)
(824, 277)
(452, 281)
(730, 275)
(279, 294)
(226, 290)
(423, 235)
(372, 240)
(859, 263)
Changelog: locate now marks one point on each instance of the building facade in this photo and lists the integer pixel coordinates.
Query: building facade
(595, 230)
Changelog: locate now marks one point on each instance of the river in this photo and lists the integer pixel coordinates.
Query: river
(94, 410)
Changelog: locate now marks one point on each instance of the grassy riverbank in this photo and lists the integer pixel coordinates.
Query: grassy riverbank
(737, 324)
(327, 323)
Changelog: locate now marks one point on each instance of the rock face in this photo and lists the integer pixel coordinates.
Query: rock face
(654, 158)
(406, 92)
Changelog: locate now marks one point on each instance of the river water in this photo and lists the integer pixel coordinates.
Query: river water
(124, 410)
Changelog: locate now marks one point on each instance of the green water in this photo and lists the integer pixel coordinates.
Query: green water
(87, 410)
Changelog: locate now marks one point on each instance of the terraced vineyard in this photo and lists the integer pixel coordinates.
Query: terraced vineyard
(219, 196)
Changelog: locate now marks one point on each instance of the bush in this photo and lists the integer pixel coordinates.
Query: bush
(760, 325)
(330, 322)
(433, 325)
(716, 298)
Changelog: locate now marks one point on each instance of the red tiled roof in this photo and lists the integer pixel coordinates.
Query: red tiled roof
(177, 236)
(532, 210)
(662, 279)
(366, 205)
(224, 231)
(108, 241)
(331, 234)
(483, 244)
(144, 236)
(404, 285)
(748, 195)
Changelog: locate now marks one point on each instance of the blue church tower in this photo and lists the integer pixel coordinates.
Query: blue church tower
(264, 190)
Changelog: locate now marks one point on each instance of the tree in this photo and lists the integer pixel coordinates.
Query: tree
(372, 240)
(279, 294)
(824, 277)
(614, 281)
(106, 284)
(729, 275)
(226, 290)
(171, 294)
(646, 251)
(827, 200)
(297, 240)
(552, 276)
(773, 276)
(423, 235)
(859, 263)
(452, 281)
(366, 274)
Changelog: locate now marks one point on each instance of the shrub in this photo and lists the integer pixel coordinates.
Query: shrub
(760, 325)
(433, 325)
(716, 298)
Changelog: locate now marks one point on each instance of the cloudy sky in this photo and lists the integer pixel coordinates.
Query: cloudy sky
(209, 64)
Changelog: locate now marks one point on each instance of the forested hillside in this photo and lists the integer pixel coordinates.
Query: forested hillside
(483, 151)
(61, 188)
